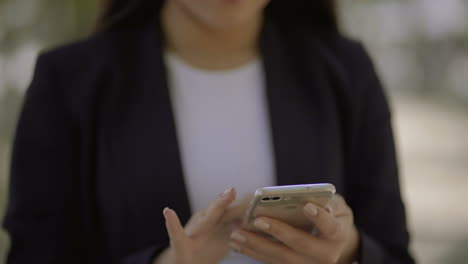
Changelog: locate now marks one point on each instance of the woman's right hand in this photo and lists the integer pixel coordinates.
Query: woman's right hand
(205, 238)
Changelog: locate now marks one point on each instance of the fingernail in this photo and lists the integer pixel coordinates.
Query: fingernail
(165, 211)
(234, 247)
(311, 209)
(238, 237)
(226, 193)
(329, 209)
(261, 224)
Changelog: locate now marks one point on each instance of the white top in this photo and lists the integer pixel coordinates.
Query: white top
(223, 131)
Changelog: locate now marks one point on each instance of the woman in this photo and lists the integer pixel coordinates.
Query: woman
(173, 100)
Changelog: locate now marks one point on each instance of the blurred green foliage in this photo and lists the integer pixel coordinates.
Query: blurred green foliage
(47, 22)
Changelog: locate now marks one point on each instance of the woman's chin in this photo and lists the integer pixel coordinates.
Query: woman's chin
(230, 20)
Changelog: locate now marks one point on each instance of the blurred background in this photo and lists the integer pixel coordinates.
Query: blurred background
(420, 48)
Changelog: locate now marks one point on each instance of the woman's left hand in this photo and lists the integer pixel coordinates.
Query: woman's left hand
(336, 242)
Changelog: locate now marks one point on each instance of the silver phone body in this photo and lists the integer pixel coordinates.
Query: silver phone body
(286, 203)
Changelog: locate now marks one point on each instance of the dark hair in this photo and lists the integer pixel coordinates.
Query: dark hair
(317, 14)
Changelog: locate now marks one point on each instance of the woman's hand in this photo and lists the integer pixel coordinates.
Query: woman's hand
(336, 242)
(205, 238)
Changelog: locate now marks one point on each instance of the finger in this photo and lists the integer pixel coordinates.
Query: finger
(262, 248)
(175, 230)
(325, 222)
(217, 208)
(250, 252)
(236, 212)
(339, 207)
(298, 240)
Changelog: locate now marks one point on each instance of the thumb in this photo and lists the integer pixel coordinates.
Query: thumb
(237, 211)
(218, 207)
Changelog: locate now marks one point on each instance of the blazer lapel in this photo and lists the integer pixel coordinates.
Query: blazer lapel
(302, 109)
(140, 169)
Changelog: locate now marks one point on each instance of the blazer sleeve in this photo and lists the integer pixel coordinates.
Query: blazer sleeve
(146, 256)
(41, 214)
(373, 189)
(41, 171)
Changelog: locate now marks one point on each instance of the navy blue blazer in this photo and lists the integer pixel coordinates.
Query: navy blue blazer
(96, 157)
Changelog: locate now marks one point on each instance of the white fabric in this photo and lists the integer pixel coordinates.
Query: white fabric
(223, 132)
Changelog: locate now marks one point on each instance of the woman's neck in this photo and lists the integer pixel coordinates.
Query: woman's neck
(207, 47)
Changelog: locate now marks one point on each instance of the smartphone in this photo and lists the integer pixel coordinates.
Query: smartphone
(286, 203)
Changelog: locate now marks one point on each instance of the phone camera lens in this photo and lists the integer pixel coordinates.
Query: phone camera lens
(266, 199)
(276, 198)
